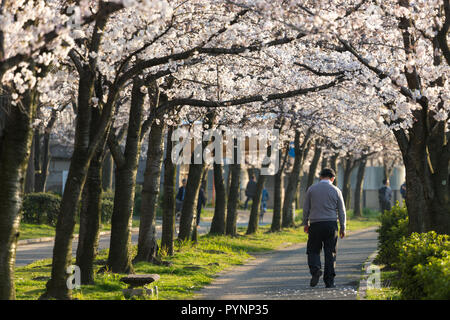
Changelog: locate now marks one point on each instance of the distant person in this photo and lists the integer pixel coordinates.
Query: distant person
(264, 198)
(180, 196)
(323, 206)
(403, 190)
(385, 196)
(201, 202)
(250, 191)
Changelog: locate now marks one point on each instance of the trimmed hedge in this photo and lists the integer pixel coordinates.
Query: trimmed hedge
(393, 229)
(107, 207)
(41, 208)
(424, 266)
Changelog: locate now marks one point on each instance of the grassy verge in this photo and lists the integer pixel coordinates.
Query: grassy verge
(193, 265)
(32, 231)
(387, 291)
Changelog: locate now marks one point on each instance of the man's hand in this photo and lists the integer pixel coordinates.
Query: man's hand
(306, 228)
(342, 234)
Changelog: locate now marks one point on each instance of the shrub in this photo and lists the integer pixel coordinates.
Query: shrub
(423, 265)
(107, 207)
(435, 277)
(41, 208)
(393, 229)
(137, 200)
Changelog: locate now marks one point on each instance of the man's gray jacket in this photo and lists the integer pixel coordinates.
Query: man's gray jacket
(324, 202)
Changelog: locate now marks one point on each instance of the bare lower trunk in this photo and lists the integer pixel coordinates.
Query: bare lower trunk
(147, 244)
(218, 221)
(30, 174)
(190, 201)
(233, 199)
(15, 145)
(314, 164)
(277, 200)
(62, 249)
(348, 166)
(359, 188)
(107, 172)
(256, 204)
(334, 165)
(277, 191)
(119, 258)
(192, 189)
(90, 219)
(168, 219)
(293, 181)
(42, 157)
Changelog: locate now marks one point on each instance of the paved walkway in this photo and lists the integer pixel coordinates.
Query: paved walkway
(284, 274)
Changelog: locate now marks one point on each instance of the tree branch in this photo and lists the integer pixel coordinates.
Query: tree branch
(140, 66)
(442, 34)
(256, 98)
(319, 73)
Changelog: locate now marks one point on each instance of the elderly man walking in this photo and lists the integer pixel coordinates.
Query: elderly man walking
(323, 206)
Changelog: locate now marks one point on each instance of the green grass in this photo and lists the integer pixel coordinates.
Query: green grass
(179, 281)
(193, 265)
(370, 218)
(388, 291)
(33, 231)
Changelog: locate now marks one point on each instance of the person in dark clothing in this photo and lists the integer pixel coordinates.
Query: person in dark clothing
(264, 198)
(201, 202)
(403, 190)
(180, 196)
(385, 196)
(323, 206)
(250, 191)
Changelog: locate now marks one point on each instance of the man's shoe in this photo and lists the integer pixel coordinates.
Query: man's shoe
(330, 285)
(315, 278)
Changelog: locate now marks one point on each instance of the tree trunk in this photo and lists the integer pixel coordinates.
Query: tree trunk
(425, 149)
(107, 172)
(15, 146)
(359, 188)
(147, 245)
(192, 188)
(277, 194)
(349, 165)
(324, 163)
(314, 164)
(168, 219)
(277, 200)
(190, 200)
(218, 221)
(30, 174)
(427, 191)
(79, 164)
(293, 181)
(334, 166)
(256, 204)
(90, 218)
(42, 157)
(41, 178)
(119, 259)
(84, 149)
(233, 199)
(227, 179)
(388, 168)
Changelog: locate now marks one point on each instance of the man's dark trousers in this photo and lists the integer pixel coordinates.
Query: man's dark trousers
(322, 233)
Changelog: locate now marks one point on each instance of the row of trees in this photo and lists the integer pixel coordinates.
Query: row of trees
(349, 74)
